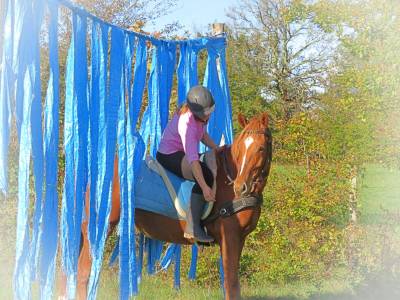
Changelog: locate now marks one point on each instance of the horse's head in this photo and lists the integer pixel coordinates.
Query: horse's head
(252, 153)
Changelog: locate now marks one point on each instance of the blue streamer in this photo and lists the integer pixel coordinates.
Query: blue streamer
(152, 124)
(37, 141)
(150, 127)
(193, 263)
(107, 146)
(30, 131)
(22, 271)
(141, 245)
(177, 272)
(128, 273)
(187, 69)
(168, 256)
(69, 255)
(49, 239)
(76, 139)
(97, 106)
(211, 81)
(221, 274)
(23, 36)
(114, 255)
(6, 92)
(139, 83)
(227, 104)
(124, 264)
(167, 70)
(107, 113)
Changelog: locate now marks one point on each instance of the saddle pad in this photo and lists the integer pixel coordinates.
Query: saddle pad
(152, 194)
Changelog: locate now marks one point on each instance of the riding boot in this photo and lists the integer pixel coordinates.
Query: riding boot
(193, 229)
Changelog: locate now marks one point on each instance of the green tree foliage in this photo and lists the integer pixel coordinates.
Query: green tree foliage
(363, 97)
(284, 54)
(328, 127)
(125, 13)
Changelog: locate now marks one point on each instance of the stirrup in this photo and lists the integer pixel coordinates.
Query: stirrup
(195, 240)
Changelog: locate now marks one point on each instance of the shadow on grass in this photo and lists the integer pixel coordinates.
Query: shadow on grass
(377, 287)
(269, 298)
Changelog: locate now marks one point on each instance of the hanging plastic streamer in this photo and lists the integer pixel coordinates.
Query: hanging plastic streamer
(37, 142)
(160, 85)
(187, 69)
(76, 145)
(218, 125)
(129, 273)
(107, 146)
(226, 125)
(221, 275)
(6, 92)
(29, 101)
(193, 263)
(49, 240)
(177, 272)
(156, 115)
(141, 245)
(125, 152)
(96, 120)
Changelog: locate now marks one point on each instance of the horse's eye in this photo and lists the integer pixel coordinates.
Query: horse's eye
(262, 149)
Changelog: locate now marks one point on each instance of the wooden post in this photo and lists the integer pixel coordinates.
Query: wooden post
(353, 196)
(218, 29)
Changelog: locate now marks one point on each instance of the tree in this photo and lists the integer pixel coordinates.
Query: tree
(289, 52)
(126, 13)
(364, 92)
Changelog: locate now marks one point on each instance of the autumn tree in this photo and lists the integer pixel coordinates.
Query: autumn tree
(286, 54)
(363, 98)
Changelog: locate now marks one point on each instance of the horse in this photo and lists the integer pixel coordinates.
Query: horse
(242, 171)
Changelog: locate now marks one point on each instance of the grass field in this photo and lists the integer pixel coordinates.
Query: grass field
(379, 205)
(380, 194)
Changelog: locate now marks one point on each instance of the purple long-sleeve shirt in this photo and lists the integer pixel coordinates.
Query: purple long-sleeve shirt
(183, 133)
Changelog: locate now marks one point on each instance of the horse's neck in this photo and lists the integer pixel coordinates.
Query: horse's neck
(224, 186)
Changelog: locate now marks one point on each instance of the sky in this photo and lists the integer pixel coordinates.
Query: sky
(195, 15)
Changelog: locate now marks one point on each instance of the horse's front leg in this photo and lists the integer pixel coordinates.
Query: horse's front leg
(231, 245)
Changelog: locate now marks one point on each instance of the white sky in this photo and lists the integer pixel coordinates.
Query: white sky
(196, 14)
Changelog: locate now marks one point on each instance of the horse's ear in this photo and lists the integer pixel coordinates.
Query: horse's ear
(242, 120)
(265, 119)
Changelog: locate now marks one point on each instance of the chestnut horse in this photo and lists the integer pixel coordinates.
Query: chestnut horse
(243, 168)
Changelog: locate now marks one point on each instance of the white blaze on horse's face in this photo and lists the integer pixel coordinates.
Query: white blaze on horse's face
(248, 141)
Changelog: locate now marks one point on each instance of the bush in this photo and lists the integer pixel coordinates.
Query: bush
(300, 231)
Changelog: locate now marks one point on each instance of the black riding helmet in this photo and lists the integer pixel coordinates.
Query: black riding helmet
(200, 101)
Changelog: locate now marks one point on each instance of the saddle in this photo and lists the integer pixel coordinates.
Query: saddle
(160, 191)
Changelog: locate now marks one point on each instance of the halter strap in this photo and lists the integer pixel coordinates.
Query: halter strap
(230, 208)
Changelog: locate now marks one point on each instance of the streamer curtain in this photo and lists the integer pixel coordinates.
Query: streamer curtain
(102, 102)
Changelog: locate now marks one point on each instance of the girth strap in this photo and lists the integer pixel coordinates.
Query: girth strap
(230, 208)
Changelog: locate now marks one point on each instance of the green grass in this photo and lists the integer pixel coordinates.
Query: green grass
(379, 197)
(161, 287)
(379, 192)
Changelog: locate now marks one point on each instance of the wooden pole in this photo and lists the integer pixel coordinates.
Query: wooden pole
(218, 29)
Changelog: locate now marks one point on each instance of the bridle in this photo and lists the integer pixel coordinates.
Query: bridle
(230, 208)
(225, 165)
